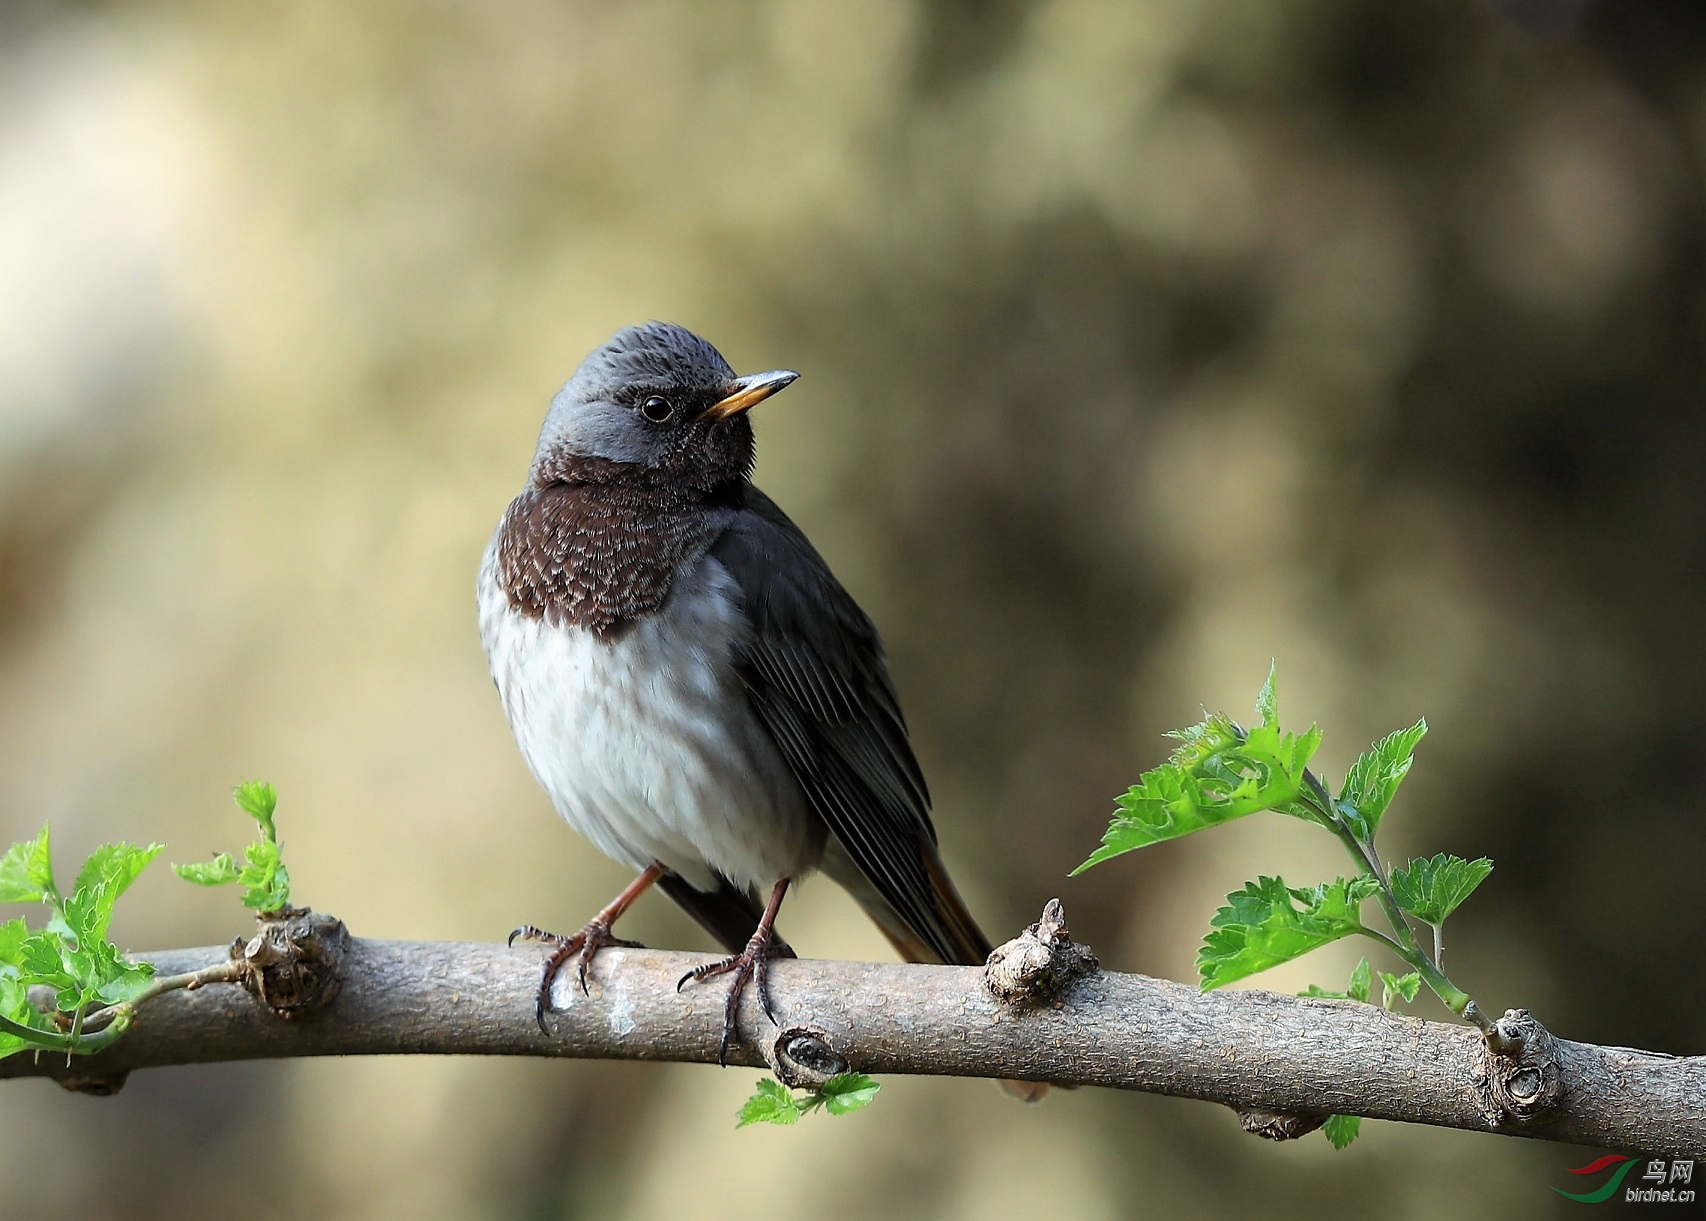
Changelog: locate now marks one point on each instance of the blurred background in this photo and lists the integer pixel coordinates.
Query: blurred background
(1142, 343)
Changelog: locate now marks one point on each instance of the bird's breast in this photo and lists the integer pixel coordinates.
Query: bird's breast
(600, 555)
(644, 738)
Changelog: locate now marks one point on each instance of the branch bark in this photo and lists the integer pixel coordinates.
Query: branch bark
(1280, 1061)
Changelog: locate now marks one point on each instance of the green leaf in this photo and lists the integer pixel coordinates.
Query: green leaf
(1393, 987)
(1358, 989)
(217, 872)
(1374, 778)
(771, 1102)
(26, 871)
(1360, 985)
(127, 982)
(1341, 1129)
(1267, 699)
(13, 934)
(1431, 888)
(116, 866)
(44, 959)
(1201, 742)
(1165, 803)
(265, 880)
(105, 876)
(1218, 773)
(845, 1093)
(1268, 923)
(81, 919)
(258, 800)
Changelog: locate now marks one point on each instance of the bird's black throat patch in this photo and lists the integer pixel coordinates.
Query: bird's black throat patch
(597, 544)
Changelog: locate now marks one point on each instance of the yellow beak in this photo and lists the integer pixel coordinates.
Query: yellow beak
(747, 392)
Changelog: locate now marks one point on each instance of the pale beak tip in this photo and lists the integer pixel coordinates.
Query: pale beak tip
(747, 392)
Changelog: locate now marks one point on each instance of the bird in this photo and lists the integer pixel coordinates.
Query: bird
(692, 687)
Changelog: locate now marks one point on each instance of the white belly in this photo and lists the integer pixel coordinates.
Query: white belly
(645, 743)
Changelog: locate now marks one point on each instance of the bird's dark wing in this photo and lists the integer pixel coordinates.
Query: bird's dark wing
(815, 675)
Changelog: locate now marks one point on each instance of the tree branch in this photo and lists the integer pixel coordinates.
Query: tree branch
(1282, 1062)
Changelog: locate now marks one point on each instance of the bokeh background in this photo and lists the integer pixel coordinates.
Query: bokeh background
(1142, 343)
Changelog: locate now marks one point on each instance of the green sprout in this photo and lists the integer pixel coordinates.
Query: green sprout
(773, 1102)
(265, 880)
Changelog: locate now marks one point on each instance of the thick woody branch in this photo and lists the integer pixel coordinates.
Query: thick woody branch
(1041, 1011)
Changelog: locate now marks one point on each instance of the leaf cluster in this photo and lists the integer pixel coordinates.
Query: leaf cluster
(1393, 988)
(262, 875)
(96, 988)
(71, 953)
(772, 1102)
(1220, 772)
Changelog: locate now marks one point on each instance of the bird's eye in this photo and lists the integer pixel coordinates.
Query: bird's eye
(657, 409)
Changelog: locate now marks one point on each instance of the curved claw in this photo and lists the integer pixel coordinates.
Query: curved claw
(731, 1008)
(761, 982)
(539, 1002)
(532, 932)
(583, 945)
(567, 947)
(751, 965)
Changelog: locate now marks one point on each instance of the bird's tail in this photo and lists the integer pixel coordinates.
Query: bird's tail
(956, 925)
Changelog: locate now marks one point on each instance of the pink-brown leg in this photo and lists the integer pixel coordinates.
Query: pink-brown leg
(593, 937)
(752, 963)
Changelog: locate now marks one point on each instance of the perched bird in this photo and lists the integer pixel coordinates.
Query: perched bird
(689, 682)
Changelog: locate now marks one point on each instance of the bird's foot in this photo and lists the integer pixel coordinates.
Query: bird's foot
(583, 945)
(750, 965)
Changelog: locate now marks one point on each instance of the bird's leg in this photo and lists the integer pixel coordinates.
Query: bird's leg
(752, 963)
(593, 937)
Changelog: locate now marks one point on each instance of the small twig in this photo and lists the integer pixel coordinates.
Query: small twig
(229, 972)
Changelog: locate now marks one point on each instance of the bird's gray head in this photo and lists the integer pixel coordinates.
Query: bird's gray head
(657, 397)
